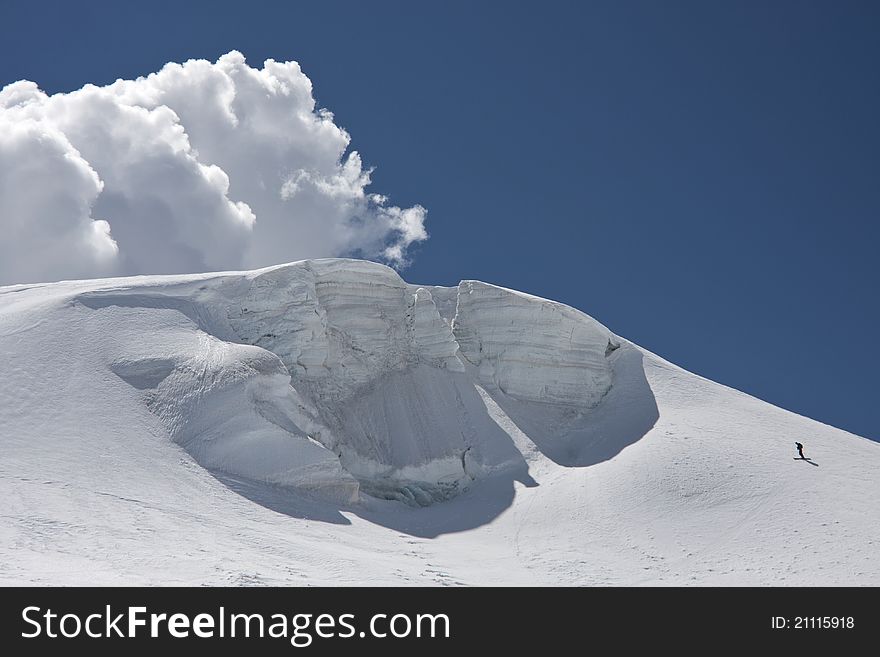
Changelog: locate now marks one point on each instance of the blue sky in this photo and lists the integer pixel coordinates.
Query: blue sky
(702, 177)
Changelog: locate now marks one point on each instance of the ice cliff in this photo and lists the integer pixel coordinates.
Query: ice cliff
(336, 375)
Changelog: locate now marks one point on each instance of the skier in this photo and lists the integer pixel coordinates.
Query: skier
(464, 462)
(800, 449)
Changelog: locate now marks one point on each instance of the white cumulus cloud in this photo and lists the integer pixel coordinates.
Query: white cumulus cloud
(201, 166)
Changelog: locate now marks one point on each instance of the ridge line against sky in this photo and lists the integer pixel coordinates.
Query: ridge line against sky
(702, 179)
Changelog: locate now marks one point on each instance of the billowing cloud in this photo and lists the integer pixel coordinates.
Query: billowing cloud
(201, 166)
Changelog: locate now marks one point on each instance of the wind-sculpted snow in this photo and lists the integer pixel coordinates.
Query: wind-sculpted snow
(230, 405)
(340, 324)
(381, 368)
(432, 336)
(533, 349)
(328, 372)
(325, 422)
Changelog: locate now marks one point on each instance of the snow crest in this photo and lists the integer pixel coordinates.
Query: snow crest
(533, 349)
(337, 370)
(261, 427)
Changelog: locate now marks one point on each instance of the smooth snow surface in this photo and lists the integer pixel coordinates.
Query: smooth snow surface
(324, 422)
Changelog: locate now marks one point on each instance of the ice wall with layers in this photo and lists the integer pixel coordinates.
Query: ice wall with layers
(388, 381)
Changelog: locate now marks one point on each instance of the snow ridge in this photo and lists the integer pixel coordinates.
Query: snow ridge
(532, 349)
(343, 355)
(324, 422)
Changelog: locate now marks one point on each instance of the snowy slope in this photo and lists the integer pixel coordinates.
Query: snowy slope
(324, 422)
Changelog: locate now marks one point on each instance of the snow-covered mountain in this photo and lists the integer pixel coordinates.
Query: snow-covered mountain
(326, 422)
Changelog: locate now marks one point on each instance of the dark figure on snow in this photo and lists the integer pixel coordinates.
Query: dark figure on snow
(800, 449)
